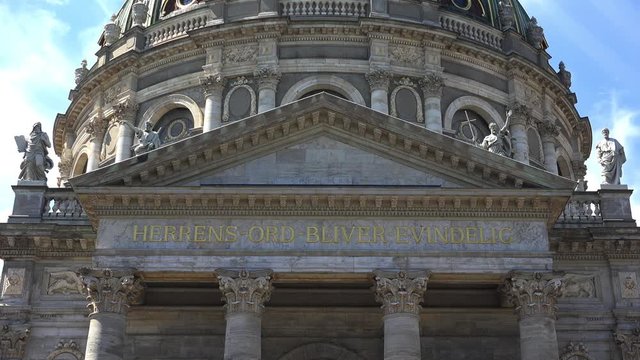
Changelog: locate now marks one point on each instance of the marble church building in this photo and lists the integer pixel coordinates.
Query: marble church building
(319, 180)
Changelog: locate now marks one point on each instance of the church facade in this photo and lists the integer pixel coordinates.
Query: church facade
(342, 179)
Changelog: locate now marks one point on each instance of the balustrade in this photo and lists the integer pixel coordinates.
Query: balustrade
(357, 8)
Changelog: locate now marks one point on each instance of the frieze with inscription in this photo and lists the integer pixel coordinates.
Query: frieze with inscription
(323, 235)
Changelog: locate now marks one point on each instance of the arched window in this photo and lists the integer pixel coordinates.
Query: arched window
(80, 166)
(536, 155)
(318, 91)
(468, 125)
(176, 124)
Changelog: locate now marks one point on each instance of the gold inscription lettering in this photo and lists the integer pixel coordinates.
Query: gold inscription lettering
(137, 233)
(312, 234)
(505, 236)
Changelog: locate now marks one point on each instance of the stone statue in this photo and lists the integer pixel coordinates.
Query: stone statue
(535, 33)
(498, 141)
(564, 75)
(148, 139)
(36, 162)
(81, 72)
(506, 14)
(611, 157)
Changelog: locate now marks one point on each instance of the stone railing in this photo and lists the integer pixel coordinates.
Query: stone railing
(355, 8)
(472, 30)
(176, 27)
(61, 204)
(582, 208)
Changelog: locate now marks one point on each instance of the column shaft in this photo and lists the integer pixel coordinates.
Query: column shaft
(266, 99)
(538, 340)
(550, 156)
(268, 78)
(212, 111)
(402, 337)
(520, 143)
(243, 337)
(94, 154)
(106, 337)
(124, 143)
(432, 85)
(380, 100)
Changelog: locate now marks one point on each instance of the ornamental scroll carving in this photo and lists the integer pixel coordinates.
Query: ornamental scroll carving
(267, 77)
(575, 352)
(64, 349)
(240, 54)
(245, 291)
(237, 84)
(212, 84)
(97, 127)
(407, 84)
(629, 344)
(111, 291)
(407, 55)
(125, 110)
(13, 342)
(400, 292)
(432, 85)
(533, 294)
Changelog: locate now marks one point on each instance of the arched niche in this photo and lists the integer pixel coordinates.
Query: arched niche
(163, 105)
(80, 165)
(240, 101)
(564, 167)
(483, 108)
(467, 124)
(323, 82)
(406, 103)
(536, 154)
(320, 351)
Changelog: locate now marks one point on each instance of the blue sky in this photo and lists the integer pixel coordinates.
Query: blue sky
(45, 40)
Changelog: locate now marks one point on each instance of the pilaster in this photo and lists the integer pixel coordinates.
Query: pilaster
(401, 294)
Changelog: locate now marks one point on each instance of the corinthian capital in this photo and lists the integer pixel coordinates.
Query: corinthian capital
(212, 84)
(245, 291)
(13, 341)
(520, 114)
(533, 294)
(400, 292)
(111, 291)
(432, 85)
(126, 110)
(548, 129)
(268, 77)
(96, 127)
(378, 79)
(629, 344)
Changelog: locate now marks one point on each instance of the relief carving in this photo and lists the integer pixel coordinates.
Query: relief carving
(13, 282)
(64, 283)
(579, 286)
(629, 285)
(64, 349)
(575, 352)
(240, 54)
(407, 55)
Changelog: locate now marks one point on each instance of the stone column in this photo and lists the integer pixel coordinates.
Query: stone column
(534, 296)
(401, 294)
(432, 86)
(379, 83)
(125, 111)
(519, 119)
(212, 86)
(267, 78)
(548, 132)
(96, 128)
(110, 293)
(245, 293)
(629, 344)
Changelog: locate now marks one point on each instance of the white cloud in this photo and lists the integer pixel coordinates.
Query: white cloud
(57, 2)
(33, 70)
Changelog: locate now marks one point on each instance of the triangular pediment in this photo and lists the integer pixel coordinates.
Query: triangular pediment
(284, 146)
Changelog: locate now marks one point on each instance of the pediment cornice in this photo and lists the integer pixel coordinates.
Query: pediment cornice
(323, 114)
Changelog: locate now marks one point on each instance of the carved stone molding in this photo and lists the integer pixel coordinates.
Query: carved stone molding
(66, 348)
(533, 294)
(575, 352)
(400, 292)
(378, 79)
(13, 284)
(240, 54)
(407, 55)
(432, 85)
(629, 344)
(126, 110)
(267, 77)
(244, 290)
(13, 342)
(111, 291)
(212, 84)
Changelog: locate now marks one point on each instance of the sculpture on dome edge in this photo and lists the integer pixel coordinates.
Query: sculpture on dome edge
(611, 156)
(147, 137)
(36, 161)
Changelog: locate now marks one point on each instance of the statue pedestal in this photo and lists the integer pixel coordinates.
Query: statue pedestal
(615, 205)
(28, 203)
